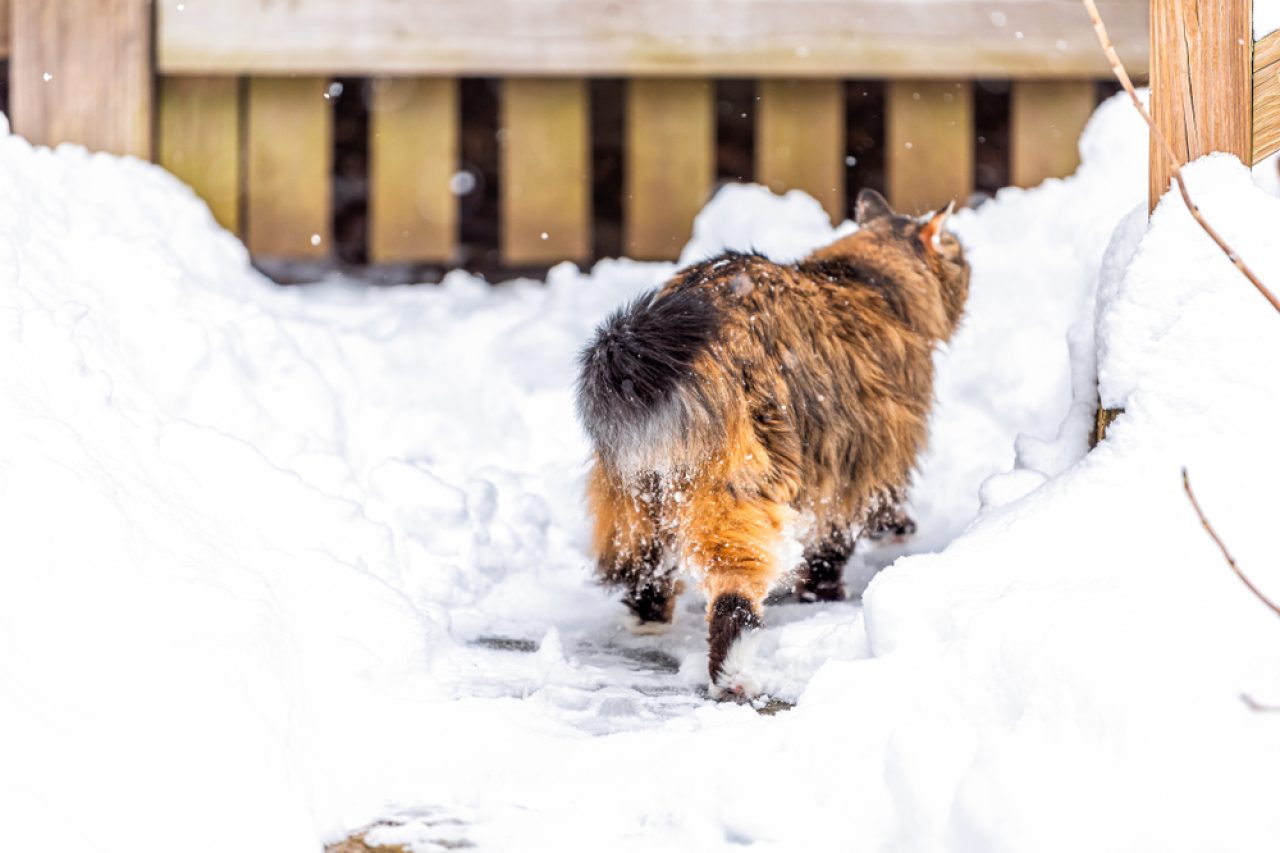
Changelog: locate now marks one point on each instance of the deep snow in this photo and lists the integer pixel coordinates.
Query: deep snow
(279, 563)
(1266, 17)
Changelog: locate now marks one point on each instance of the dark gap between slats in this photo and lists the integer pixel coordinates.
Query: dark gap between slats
(350, 98)
(4, 87)
(991, 137)
(608, 166)
(479, 206)
(864, 139)
(735, 131)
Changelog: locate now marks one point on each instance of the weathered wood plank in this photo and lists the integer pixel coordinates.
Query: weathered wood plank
(80, 71)
(413, 156)
(670, 162)
(1046, 119)
(928, 143)
(1201, 81)
(4, 29)
(757, 38)
(199, 140)
(800, 139)
(289, 163)
(1266, 97)
(545, 171)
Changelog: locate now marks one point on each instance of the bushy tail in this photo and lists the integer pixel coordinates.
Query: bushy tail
(641, 358)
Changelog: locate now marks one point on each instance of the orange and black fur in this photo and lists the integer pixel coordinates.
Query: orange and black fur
(747, 404)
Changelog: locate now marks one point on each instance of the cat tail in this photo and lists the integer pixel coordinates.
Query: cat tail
(638, 390)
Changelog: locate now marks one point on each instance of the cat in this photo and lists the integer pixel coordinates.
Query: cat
(748, 404)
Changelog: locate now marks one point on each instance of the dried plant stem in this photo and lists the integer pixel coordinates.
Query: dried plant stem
(1254, 705)
(1186, 484)
(1123, 76)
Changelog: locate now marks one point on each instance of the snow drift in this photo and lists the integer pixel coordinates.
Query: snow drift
(279, 563)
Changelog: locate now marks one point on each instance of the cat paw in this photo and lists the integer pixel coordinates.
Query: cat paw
(897, 530)
(809, 592)
(645, 627)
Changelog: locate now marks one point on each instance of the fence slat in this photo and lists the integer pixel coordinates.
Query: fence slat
(928, 143)
(1266, 97)
(199, 140)
(81, 72)
(1046, 119)
(670, 162)
(1201, 81)
(4, 29)
(413, 156)
(545, 171)
(800, 139)
(290, 150)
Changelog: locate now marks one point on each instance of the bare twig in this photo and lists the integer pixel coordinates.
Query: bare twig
(1186, 484)
(1254, 705)
(1123, 76)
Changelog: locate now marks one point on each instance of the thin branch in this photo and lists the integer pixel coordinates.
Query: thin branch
(1256, 706)
(1186, 484)
(1123, 76)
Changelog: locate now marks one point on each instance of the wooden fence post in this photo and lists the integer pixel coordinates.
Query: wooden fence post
(81, 72)
(1201, 81)
(1201, 94)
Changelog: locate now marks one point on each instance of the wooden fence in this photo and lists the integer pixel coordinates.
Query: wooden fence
(231, 95)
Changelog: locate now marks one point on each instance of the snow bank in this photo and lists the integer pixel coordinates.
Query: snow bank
(281, 562)
(1097, 628)
(1266, 18)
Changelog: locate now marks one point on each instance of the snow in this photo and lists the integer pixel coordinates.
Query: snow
(1266, 18)
(280, 563)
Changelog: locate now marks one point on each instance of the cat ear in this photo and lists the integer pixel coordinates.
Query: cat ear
(934, 227)
(871, 206)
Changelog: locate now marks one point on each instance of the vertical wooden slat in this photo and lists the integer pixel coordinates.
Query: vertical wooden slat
(1201, 81)
(800, 139)
(545, 171)
(81, 72)
(413, 157)
(670, 161)
(289, 154)
(1046, 118)
(929, 143)
(199, 140)
(4, 29)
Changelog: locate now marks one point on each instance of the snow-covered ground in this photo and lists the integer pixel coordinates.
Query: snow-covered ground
(281, 563)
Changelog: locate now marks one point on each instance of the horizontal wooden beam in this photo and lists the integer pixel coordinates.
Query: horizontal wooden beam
(758, 38)
(1266, 97)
